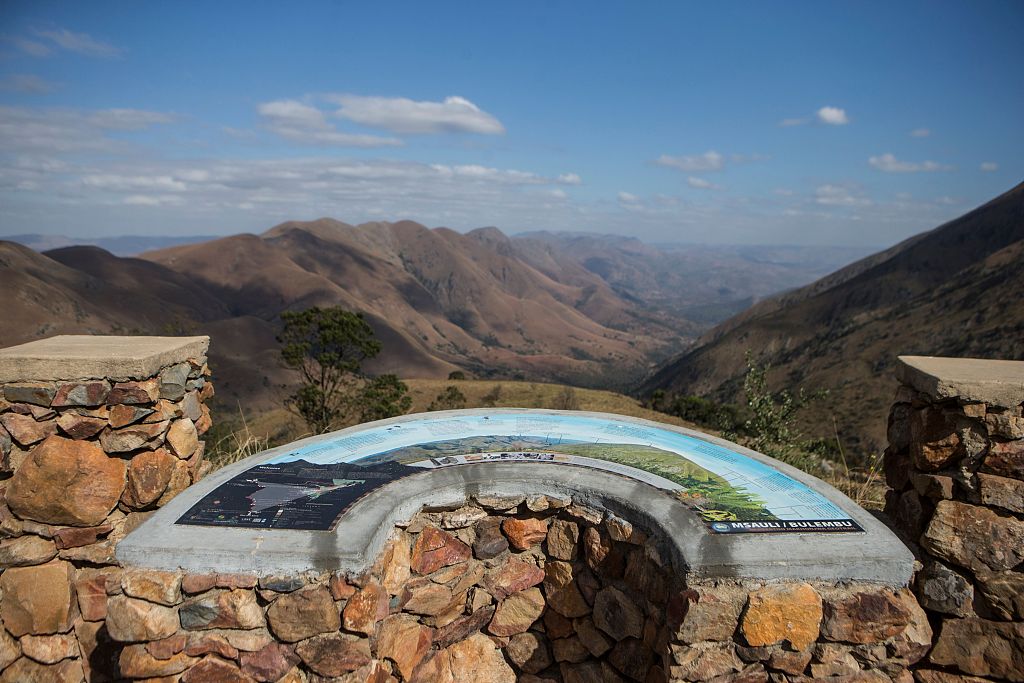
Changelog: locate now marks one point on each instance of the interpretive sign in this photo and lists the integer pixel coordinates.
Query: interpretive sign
(311, 486)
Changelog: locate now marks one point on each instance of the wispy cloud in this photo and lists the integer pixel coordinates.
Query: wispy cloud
(570, 179)
(51, 130)
(920, 133)
(708, 161)
(837, 195)
(890, 164)
(26, 83)
(404, 116)
(833, 116)
(701, 184)
(80, 43)
(304, 123)
(989, 166)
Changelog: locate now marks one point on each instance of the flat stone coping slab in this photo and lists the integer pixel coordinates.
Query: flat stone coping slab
(330, 502)
(74, 356)
(996, 382)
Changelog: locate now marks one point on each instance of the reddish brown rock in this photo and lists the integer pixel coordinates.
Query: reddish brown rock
(422, 596)
(25, 670)
(82, 394)
(934, 440)
(204, 422)
(517, 612)
(562, 592)
(269, 663)
(25, 551)
(863, 617)
(163, 588)
(475, 660)
(10, 650)
(182, 437)
(221, 609)
(76, 537)
(181, 479)
(80, 426)
(916, 639)
(66, 482)
(25, 430)
(303, 613)
(1005, 459)
(617, 615)
(340, 588)
(522, 534)
(404, 641)
(705, 661)
(135, 393)
(783, 613)
(709, 613)
(124, 415)
(364, 609)
(133, 437)
(215, 670)
(596, 642)
(435, 549)
(631, 658)
(974, 537)
(35, 393)
(556, 625)
(92, 597)
(935, 486)
(1003, 594)
(569, 650)
(334, 654)
(167, 647)
(149, 473)
(208, 643)
(135, 662)
(529, 652)
(512, 576)
(395, 564)
(1001, 492)
(37, 600)
(490, 542)
(49, 649)
(463, 627)
(130, 620)
(563, 539)
(982, 648)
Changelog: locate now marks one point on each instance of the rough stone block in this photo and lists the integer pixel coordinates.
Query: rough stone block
(974, 537)
(37, 600)
(981, 648)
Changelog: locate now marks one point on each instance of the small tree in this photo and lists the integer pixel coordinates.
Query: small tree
(449, 399)
(327, 346)
(383, 397)
(566, 400)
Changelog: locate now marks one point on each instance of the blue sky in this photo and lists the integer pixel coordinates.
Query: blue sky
(801, 123)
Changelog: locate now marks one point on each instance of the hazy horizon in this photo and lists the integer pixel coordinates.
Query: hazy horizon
(747, 124)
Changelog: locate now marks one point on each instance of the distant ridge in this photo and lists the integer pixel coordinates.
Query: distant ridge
(956, 290)
(123, 245)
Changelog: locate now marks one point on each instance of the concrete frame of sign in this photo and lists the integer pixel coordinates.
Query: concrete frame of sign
(875, 555)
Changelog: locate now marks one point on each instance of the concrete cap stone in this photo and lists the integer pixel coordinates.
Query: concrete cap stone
(995, 382)
(77, 357)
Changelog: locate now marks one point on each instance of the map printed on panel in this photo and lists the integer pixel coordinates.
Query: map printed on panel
(312, 485)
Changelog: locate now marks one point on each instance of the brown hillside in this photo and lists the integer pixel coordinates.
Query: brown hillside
(956, 290)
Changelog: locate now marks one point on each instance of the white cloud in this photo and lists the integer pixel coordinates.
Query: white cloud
(135, 182)
(557, 193)
(303, 123)
(405, 116)
(150, 200)
(837, 195)
(26, 83)
(920, 133)
(80, 43)
(708, 161)
(989, 166)
(890, 164)
(570, 179)
(701, 184)
(628, 198)
(64, 130)
(833, 116)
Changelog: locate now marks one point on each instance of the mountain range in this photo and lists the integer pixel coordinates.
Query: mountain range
(957, 290)
(590, 310)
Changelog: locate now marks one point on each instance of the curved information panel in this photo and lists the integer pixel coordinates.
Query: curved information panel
(310, 486)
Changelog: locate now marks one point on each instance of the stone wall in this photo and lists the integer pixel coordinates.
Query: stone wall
(501, 590)
(955, 465)
(95, 433)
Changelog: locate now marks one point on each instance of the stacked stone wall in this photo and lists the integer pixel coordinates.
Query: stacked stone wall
(82, 463)
(955, 468)
(530, 589)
